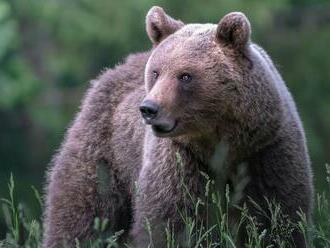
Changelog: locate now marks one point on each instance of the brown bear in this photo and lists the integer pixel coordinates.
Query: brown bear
(202, 86)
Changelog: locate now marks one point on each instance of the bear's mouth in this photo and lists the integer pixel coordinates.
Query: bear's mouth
(163, 129)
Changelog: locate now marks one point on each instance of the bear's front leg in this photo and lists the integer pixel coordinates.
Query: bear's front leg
(166, 175)
(77, 193)
(281, 175)
(70, 207)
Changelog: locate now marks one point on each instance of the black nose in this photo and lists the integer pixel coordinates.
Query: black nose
(149, 109)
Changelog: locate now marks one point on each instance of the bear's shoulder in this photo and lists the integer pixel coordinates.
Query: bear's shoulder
(131, 68)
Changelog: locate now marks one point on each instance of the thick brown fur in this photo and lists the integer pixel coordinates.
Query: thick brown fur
(113, 166)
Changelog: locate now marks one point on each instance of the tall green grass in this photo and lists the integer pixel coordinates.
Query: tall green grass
(23, 231)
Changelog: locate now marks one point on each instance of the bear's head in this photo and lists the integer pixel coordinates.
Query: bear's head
(200, 77)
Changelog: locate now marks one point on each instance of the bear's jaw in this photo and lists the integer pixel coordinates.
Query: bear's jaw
(164, 129)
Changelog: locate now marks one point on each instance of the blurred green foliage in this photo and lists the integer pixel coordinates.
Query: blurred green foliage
(49, 50)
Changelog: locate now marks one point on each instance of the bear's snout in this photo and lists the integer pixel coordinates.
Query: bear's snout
(149, 110)
(152, 114)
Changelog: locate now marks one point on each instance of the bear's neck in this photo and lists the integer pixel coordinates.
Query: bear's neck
(207, 149)
(212, 156)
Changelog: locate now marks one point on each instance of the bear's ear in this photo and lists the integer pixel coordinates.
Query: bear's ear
(159, 25)
(234, 30)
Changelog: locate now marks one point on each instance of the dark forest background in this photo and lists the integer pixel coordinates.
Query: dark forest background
(49, 50)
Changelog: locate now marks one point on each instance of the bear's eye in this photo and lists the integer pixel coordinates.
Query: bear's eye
(155, 75)
(185, 77)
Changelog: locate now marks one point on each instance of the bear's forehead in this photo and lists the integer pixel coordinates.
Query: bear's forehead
(194, 36)
(196, 30)
(191, 41)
